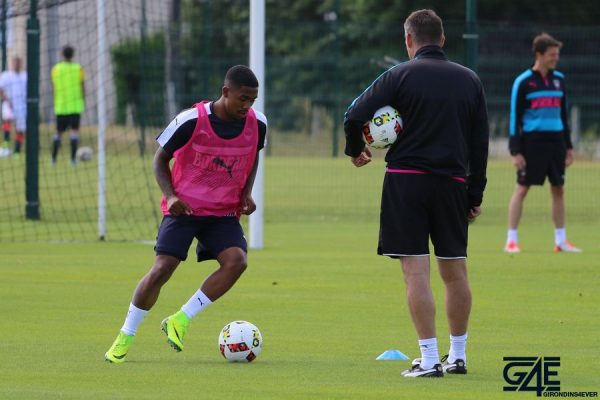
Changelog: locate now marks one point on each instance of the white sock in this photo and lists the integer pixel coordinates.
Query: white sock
(429, 353)
(134, 318)
(195, 304)
(512, 236)
(457, 348)
(560, 235)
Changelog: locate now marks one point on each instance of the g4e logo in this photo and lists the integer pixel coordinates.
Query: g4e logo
(531, 374)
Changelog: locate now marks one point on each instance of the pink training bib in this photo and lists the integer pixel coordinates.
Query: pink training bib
(210, 172)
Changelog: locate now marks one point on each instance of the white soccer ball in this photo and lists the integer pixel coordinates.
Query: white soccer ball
(84, 154)
(240, 341)
(383, 129)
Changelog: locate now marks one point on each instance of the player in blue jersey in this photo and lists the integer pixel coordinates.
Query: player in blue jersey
(540, 139)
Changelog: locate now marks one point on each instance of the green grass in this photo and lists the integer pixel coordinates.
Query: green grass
(325, 303)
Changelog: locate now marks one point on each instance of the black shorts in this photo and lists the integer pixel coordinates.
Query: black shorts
(214, 235)
(417, 207)
(541, 160)
(64, 122)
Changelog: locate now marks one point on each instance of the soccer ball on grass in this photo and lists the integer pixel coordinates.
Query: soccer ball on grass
(240, 341)
(84, 154)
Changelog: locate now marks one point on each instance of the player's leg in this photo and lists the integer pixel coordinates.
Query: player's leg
(419, 295)
(561, 244)
(6, 128)
(558, 206)
(515, 206)
(458, 309)
(218, 283)
(458, 294)
(449, 236)
(61, 127)
(232, 264)
(534, 173)
(144, 297)
(20, 127)
(404, 234)
(556, 176)
(421, 306)
(74, 123)
(515, 210)
(8, 117)
(174, 238)
(222, 239)
(19, 140)
(148, 289)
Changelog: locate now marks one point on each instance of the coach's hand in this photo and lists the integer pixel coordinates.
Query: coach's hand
(519, 161)
(248, 206)
(473, 213)
(177, 207)
(363, 159)
(569, 158)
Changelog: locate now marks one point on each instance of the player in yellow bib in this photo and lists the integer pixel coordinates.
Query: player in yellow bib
(68, 83)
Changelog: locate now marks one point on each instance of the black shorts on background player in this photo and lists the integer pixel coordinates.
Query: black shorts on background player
(416, 207)
(543, 159)
(64, 122)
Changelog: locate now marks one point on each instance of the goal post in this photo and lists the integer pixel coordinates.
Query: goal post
(257, 65)
(101, 106)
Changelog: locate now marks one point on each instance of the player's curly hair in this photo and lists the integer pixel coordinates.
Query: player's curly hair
(241, 75)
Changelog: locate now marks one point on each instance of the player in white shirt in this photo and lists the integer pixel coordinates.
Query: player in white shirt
(13, 87)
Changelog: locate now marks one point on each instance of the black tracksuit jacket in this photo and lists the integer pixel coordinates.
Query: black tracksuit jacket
(444, 115)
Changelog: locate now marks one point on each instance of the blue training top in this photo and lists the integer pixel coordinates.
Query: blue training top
(538, 107)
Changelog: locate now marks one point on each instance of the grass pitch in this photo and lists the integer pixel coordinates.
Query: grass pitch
(324, 302)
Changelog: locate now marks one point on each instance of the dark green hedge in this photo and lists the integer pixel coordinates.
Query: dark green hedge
(139, 76)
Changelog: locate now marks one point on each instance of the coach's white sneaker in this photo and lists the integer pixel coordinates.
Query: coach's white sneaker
(458, 366)
(566, 247)
(416, 371)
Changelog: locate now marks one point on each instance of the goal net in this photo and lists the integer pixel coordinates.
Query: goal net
(125, 103)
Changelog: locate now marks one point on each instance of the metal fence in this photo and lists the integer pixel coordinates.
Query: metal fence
(159, 63)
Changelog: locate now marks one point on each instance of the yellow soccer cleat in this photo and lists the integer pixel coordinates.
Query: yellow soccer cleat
(175, 327)
(118, 351)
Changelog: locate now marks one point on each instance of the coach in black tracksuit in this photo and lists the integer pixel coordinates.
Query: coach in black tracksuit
(434, 181)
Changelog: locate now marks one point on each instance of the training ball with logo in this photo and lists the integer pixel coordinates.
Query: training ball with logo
(383, 129)
(84, 154)
(240, 341)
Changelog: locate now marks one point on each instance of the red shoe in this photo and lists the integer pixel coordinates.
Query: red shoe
(512, 247)
(566, 247)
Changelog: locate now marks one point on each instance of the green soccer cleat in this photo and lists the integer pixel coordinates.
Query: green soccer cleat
(118, 351)
(175, 327)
